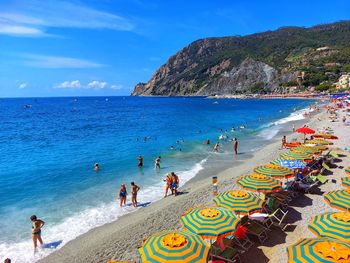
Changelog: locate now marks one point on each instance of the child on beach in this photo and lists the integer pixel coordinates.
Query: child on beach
(134, 190)
(122, 195)
(96, 167)
(36, 231)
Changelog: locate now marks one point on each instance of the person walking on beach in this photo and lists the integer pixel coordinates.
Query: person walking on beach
(140, 161)
(122, 195)
(174, 183)
(235, 145)
(134, 190)
(283, 142)
(157, 162)
(168, 182)
(216, 147)
(37, 225)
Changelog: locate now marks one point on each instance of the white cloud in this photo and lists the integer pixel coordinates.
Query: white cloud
(23, 85)
(75, 84)
(116, 87)
(34, 17)
(41, 61)
(95, 84)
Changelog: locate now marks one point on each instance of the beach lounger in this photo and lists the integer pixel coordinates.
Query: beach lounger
(255, 229)
(321, 178)
(244, 243)
(325, 168)
(230, 254)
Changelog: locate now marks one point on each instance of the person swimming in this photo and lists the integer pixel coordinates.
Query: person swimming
(134, 190)
(96, 167)
(36, 231)
(140, 161)
(216, 147)
(122, 195)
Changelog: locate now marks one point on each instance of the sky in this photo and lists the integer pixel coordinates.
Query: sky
(54, 48)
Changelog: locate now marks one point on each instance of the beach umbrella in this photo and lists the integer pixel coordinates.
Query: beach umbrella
(345, 181)
(241, 202)
(333, 225)
(326, 136)
(347, 170)
(295, 156)
(210, 223)
(319, 142)
(292, 164)
(275, 171)
(174, 246)
(259, 183)
(339, 199)
(319, 250)
(305, 130)
(300, 149)
(314, 147)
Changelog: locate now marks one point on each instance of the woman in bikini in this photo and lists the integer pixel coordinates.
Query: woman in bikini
(122, 195)
(36, 231)
(168, 182)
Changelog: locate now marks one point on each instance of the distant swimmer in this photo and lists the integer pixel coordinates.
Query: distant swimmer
(37, 225)
(216, 147)
(122, 195)
(134, 191)
(145, 139)
(235, 146)
(157, 162)
(242, 127)
(207, 142)
(233, 129)
(96, 167)
(140, 161)
(172, 147)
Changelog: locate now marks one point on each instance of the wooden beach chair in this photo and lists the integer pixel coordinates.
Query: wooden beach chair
(229, 254)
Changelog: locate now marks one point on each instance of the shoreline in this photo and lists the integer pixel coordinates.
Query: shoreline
(119, 239)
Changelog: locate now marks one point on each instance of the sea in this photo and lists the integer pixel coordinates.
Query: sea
(48, 148)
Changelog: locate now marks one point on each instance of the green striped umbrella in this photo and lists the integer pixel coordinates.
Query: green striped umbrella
(275, 171)
(259, 183)
(241, 202)
(339, 199)
(174, 246)
(210, 223)
(333, 225)
(319, 250)
(310, 150)
(293, 156)
(319, 142)
(314, 147)
(345, 181)
(347, 170)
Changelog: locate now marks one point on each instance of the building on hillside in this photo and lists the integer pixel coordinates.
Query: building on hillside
(344, 81)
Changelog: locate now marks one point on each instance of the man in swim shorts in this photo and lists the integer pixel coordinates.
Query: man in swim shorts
(174, 183)
(140, 161)
(235, 146)
(37, 225)
(134, 190)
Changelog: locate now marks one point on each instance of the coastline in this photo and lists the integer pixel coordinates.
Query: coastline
(121, 238)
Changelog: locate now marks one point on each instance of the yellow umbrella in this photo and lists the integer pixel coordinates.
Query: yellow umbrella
(296, 156)
(174, 246)
(347, 170)
(241, 202)
(308, 150)
(259, 183)
(319, 250)
(319, 142)
(339, 199)
(275, 171)
(345, 181)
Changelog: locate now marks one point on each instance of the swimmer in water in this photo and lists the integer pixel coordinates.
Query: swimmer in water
(157, 162)
(216, 147)
(233, 129)
(172, 147)
(140, 161)
(207, 142)
(96, 167)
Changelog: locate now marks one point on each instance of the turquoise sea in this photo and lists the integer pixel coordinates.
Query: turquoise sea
(48, 147)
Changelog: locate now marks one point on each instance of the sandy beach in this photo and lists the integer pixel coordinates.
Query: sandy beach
(119, 240)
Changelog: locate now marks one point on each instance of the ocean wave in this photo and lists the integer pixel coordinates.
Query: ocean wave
(86, 220)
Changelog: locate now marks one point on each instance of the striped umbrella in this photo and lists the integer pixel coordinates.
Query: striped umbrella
(347, 170)
(339, 199)
(174, 246)
(319, 142)
(300, 149)
(326, 136)
(314, 147)
(333, 225)
(259, 183)
(210, 223)
(319, 250)
(293, 164)
(275, 171)
(345, 181)
(241, 202)
(296, 156)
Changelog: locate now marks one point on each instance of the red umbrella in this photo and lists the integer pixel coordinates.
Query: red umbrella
(305, 130)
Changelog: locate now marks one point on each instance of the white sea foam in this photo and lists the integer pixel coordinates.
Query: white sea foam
(84, 221)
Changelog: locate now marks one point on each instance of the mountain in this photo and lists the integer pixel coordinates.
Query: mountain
(289, 58)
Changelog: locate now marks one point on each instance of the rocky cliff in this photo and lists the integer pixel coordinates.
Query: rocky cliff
(267, 62)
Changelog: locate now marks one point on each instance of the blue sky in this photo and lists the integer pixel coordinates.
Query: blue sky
(105, 47)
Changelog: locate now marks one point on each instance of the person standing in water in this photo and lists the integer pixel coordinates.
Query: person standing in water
(140, 161)
(216, 147)
(37, 225)
(157, 162)
(96, 167)
(235, 146)
(122, 195)
(134, 190)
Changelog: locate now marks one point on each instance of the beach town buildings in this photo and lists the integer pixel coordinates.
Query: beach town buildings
(344, 81)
